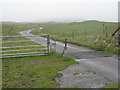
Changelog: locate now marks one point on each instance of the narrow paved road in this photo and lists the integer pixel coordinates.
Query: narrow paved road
(95, 68)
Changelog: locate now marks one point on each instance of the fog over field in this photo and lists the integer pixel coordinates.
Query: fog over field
(58, 10)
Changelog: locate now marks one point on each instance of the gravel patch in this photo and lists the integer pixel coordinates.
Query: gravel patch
(82, 79)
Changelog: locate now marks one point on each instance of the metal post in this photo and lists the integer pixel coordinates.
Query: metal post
(48, 43)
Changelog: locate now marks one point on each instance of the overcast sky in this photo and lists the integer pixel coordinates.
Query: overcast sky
(58, 10)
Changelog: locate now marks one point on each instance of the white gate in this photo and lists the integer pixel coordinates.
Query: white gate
(24, 49)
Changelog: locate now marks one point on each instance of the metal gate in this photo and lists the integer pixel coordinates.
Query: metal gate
(22, 48)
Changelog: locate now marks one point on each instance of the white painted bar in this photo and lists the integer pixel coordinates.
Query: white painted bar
(25, 53)
(23, 36)
(16, 41)
(23, 46)
(24, 56)
(23, 50)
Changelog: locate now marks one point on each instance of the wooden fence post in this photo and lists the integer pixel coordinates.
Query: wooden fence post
(48, 43)
(72, 34)
(65, 43)
(63, 34)
(65, 48)
(106, 31)
(103, 29)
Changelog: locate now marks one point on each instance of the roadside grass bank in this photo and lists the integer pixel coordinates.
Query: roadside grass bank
(93, 34)
(33, 72)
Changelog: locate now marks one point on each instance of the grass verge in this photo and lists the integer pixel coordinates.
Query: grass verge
(113, 85)
(33, 72)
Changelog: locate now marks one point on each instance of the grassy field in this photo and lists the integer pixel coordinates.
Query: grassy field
(93, 34)
(29, 72)
(12, 28)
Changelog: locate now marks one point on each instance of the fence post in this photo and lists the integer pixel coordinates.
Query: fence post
(72, 34)
(55, 45)
(65, 43)
(119, 40)
(64, 47)
(106, 31)
(103, 29)
(48, 43)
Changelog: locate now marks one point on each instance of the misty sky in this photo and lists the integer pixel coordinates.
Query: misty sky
(58, 10)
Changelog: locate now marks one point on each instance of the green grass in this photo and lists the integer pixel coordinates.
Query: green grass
(12, 28)
(113, 85)
(33, 72)
(75, 73)
(87, 33)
